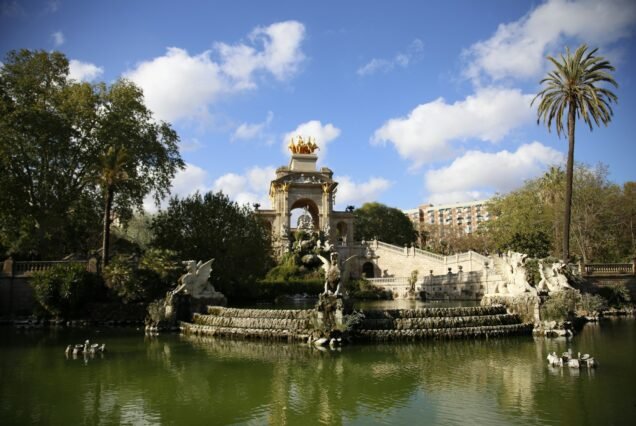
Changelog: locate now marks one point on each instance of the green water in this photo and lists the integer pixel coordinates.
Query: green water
(177, 380)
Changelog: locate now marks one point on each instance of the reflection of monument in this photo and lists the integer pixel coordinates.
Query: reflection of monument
(301, 185)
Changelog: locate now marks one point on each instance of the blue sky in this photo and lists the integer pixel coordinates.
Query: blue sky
(410, 101)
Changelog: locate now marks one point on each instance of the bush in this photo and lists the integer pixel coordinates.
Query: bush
(65, 290)
(363, 289)
(565, 304)
(132, 283)
(589, 303)
(561, 305)
(616, 295)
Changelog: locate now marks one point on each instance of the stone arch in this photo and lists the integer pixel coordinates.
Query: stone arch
(368, 269)
(341, 231)
(312, 207)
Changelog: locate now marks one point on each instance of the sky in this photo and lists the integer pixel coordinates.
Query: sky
(410, 102)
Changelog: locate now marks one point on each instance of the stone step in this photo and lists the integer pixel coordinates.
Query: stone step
(434, 312)
(445, 333)
(260, 313)
(242, 333)
(255, 323)
(439, 322)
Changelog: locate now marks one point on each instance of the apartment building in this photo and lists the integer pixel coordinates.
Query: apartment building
(442, 218)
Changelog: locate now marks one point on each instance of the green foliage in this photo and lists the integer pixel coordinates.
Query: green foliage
(364, 290)
(533, 276)
(69, 151)
(164, 263)
(616, 295)
(560, 305)
(575, 89)
(388, 224)
(521, 222)
(133, 281)
(202, 227)
(566, 304)
(65, 290)
(590, 303)
(530, 219)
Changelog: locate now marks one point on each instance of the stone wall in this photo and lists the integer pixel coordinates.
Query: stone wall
(598, 282)
(16, 296)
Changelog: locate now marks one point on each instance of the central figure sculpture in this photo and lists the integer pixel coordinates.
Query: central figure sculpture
(302, 147)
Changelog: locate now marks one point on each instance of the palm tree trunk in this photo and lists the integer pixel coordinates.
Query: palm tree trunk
(569, 177)
(106, 232)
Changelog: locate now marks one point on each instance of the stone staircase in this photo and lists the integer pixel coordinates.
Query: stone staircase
(440, 323)
(290, 325)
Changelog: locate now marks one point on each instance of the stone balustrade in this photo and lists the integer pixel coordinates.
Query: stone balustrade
(610, 268)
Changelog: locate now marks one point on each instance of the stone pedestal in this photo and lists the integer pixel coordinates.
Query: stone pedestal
(303, 162)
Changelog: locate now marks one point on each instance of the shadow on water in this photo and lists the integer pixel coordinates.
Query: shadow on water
(185, 380)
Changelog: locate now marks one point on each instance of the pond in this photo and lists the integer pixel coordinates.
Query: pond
(179, 380)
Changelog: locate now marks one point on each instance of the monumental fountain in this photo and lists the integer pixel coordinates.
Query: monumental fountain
(324, 236)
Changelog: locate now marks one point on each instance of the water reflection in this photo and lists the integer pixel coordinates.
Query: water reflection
(189, 380)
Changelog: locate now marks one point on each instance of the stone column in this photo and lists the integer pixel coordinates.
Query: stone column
(7, 267)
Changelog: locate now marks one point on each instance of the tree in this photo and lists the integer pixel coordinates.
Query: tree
(387, 224)
(202, 227)
(574, 85)
(65, 147)
(47, 151)
(522, 222)
(140, 155)
(602, 216)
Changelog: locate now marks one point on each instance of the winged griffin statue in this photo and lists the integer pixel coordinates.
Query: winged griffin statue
(334, 278)
(195, 281)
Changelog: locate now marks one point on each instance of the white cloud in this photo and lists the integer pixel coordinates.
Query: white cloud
(424, 136)
(478, 174)
(517, 49)
(251, 131)
(248, 188)
(314, 129)
(401, 59)
(350, 192)
(83, 71)
(178, 85)
(58, 38)
(186, 182)
(190, 145)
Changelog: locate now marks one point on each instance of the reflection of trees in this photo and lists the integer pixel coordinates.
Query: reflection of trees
(185, 380)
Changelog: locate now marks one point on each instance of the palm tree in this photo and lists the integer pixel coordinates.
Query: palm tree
(572, 85)
(112, 174)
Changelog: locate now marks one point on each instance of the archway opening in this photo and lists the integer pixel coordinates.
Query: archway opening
(368, 269)
(342, 229)
(299, 211)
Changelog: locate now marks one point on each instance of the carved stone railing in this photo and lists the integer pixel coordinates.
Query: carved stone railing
(13, 268)
(389, 281)
(609, 269)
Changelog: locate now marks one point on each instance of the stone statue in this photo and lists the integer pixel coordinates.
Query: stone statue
(553, 276)
(334, 278)
(195, 281)
(305, 221)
